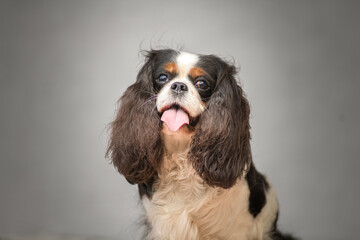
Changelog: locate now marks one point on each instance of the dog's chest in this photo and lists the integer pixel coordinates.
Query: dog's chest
(183, 207)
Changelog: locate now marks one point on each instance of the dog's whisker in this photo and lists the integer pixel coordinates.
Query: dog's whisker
(148, 100)
(153, 109)
(146, 92)
(207, 109)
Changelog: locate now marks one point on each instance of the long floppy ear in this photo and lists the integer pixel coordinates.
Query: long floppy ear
(220, 149)
(135, 145)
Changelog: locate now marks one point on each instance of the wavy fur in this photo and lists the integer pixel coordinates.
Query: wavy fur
(220, 149)
(135, 143)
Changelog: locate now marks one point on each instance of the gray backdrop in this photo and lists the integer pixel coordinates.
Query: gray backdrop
(64, 64)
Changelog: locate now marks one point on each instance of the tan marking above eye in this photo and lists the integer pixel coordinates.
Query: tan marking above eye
(196, 72)
(171, 67)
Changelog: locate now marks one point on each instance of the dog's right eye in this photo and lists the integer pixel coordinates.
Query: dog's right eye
(163, 78)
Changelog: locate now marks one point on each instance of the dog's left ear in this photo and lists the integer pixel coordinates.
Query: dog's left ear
(220, 149)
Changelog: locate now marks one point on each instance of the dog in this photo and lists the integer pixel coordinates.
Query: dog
(182, 134)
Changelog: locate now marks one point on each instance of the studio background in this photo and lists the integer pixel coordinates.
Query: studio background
(64, 64)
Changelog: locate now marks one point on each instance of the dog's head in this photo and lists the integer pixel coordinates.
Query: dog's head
(183, 93)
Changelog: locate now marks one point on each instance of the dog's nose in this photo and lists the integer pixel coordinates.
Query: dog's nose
(179, 87)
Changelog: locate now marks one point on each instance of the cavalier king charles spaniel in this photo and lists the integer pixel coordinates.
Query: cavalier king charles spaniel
(182, 134)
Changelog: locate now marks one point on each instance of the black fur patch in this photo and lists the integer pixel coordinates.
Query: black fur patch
(275, 234)
(258, 187)
(146, 188)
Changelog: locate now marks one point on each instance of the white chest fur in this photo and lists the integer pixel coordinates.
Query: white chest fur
(183, 207)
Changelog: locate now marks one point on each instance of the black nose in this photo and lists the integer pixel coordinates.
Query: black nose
(179, 87)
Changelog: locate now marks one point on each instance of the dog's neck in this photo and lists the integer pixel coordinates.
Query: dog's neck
(176, 142)
(176, 146)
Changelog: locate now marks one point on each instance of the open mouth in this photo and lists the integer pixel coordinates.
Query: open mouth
(176, 116)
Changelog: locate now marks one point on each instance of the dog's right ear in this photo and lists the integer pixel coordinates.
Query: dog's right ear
(135, 145)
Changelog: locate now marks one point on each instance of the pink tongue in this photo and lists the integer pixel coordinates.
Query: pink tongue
(175, 118)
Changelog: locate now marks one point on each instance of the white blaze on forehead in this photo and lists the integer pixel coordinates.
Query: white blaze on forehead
(185, 61)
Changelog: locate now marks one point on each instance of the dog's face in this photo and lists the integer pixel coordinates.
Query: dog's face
(177, 92)
(183, 87)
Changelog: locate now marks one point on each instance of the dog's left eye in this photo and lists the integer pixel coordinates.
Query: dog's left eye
(163, 78)
(202, 85)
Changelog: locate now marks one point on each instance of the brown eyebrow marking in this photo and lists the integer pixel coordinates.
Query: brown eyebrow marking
(171, 67)
(196, 72)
